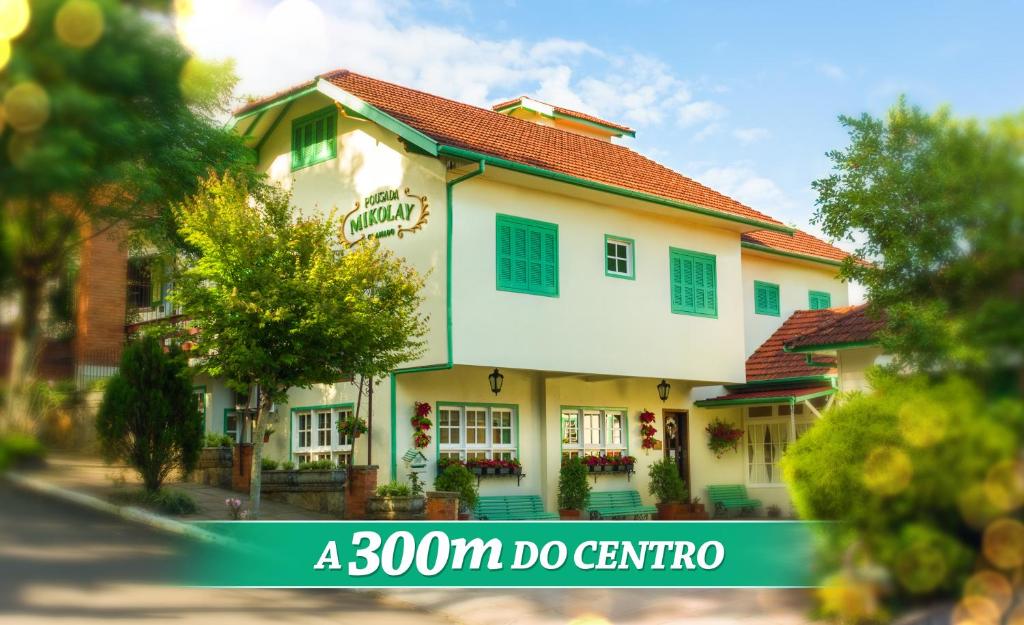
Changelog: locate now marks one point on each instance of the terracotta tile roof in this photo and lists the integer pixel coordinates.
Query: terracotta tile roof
(852, 325)
(770, 362)
(799, 243)
(564, 111)
(469, 127)
(789, 391)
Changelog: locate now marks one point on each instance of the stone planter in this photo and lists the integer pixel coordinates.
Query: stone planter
(214, 458)
(319, 491)
(442, 506)
(395, 508)
(570, 515)
(671, 511)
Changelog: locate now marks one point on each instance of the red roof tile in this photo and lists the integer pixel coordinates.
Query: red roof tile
(799, 243)
(770, 362)
(852, 325)
(469, 127)
(789, 391)
(564, 111)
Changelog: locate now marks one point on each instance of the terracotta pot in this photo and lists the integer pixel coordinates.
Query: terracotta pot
(699, 508)
(570, 515)
(266, 438)
(464, 516)
(670, 511)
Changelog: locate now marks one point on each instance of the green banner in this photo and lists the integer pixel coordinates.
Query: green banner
(507, 554)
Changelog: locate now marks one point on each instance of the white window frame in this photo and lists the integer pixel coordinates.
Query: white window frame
(489, 448)
(604, 445)
(339, 449)
(780, 417)
(629, 246)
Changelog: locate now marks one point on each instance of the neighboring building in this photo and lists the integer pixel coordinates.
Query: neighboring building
(582, 271)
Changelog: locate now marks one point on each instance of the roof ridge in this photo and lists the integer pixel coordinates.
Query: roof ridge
(581, 115)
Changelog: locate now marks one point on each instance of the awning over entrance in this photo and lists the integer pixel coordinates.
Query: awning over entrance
(753, 395)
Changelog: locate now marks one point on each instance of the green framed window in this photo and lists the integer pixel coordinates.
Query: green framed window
(594, 431)
(314, 138)
(527, 256)
(470, 431)
(766, 298)
(315, 433)
(693, 280)
(819, 299)
(618, 257)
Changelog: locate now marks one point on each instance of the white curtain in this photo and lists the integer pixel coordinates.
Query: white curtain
(755, 435)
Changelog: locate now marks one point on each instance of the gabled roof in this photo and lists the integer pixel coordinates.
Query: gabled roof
(453, 127)
(561, 110)
(848, 327)
(771, 362)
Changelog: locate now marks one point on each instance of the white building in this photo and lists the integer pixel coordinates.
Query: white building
(584, 272)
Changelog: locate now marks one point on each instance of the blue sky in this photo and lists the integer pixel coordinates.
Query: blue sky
(742, 96)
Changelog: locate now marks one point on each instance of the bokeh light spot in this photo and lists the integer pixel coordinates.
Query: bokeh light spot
(921, 567)
(923, 422)
(27, 106)
(14, 15)
(590, 619)
(79, 23)
(20, 147)
(887, 470)
(5, 52)
(848, 599)
(1004, 485)
(992, 586)
(1003, 543)
(1016, 615)
(975, 610)
(975, 507)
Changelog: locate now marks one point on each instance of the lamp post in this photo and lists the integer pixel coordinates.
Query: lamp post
(495, 379)
(663, 389)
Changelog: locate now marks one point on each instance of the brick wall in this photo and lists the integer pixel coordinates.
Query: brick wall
(102, 294)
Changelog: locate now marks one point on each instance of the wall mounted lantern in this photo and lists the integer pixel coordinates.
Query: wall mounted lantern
(663, 390)
(495, 380)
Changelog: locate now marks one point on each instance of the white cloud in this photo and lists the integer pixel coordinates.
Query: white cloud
(706, 131)
(279, 44)
(832, 71)
(700, 111)
(751, 135)
(741, 182)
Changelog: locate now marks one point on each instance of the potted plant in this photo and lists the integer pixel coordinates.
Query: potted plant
(395, 501)
(668, 488)
(723, 437)
(698, 507)
(627, 462)
(573, 489)
(270, 430)
(456, 478)
(351, 426)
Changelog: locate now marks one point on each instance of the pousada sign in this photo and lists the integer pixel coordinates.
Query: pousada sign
(386, 213)
(384, 554)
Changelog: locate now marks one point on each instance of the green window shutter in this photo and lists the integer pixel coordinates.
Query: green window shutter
(693, 283)
(766, 298)
(819, 300)
(314, 138)
(527, 256)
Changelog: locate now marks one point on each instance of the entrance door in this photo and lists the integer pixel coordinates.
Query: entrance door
(677, 442)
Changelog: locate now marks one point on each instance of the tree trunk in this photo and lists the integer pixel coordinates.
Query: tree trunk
(256, 472)
(19, 414)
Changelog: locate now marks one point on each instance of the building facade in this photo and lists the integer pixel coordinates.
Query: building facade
(582, 272)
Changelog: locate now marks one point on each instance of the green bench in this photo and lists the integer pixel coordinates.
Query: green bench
(728, 497)
(512, 508)
(617, 504)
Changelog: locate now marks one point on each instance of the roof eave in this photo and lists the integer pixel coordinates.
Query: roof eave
(829, 347)
(780, 399)
(807, 257)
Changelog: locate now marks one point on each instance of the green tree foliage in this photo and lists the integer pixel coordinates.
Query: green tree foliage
(148, 417)
(936, 205)
(915, 471)
(573, 488)
(107, 121)
(280, 302)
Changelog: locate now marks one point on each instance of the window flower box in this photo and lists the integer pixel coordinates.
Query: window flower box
(487, 468)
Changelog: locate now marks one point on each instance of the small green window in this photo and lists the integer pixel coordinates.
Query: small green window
(618, 257)
(766, 298)
(693, 283)
(819, 300)
(314, 138)
(527, 256)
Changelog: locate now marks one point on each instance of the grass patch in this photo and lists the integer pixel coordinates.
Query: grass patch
(165, 501)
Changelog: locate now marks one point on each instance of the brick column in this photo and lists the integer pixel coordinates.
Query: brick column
(362, 484)
(442, 506)
(101, 298)
(241, 467)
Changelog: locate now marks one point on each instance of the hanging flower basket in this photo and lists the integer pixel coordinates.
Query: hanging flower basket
(421, 424)
(647, 430)
(723, 437)
(352, 426)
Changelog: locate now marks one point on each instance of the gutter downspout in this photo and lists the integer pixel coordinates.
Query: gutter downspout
(449, 186)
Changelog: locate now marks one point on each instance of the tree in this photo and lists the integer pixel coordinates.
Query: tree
(107, 122)
(149, 416)
(279, 301)
(937, 206)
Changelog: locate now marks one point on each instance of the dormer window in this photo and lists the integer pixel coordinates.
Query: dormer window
(562, 118)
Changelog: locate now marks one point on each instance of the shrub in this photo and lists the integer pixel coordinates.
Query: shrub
(268, 464)
(458, 479)
(287, 465)
(164, 500)
(665, 484)
(573, 488)
(317, 465)
(17, 448)
(148, 417)
(394, 489)
(212, 439)
(912, 471)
